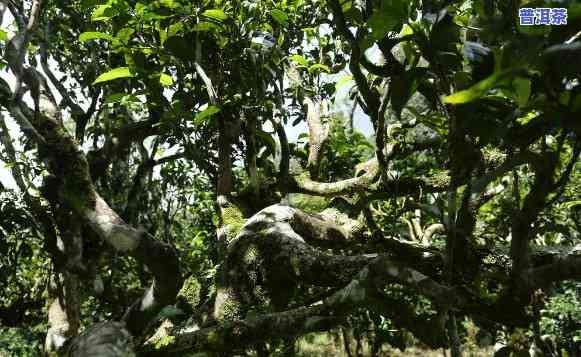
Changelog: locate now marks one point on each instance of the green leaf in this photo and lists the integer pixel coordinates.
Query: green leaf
(317, 67)
(170, 4)
(164, 341)
(135, 59)
(181, 47)
(122, 98)
(165, 80)
(391, 15)
(522, 89)
(481, 88)
(173, 29)
(571, 204)
(205, 114)
(351, 11)
(215, 14)
(104, 12)
(140, 9)
(124, 35)
(205, 26)
(524, 119)
(486, 118)
(100, 11)
(170, 31)
(279, 16)
(114, 98)
(3, 35)
(299, 59)
(402, 87)
(116, 73)
(87, 36)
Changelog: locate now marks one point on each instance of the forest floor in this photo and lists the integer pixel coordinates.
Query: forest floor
(332, 345)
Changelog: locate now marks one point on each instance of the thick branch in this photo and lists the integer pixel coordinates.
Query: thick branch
(564, 267)
(208, 82)
(67, 162)
(533, 204)
(430, 231)
(305, 184)
(318, 135)
(234, 335)
(367, 184)
(281, 133)
(109, 339)
(361, 291)
(17, 46)
(284, 164)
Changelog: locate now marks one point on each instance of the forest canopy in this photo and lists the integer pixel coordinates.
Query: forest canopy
(157, 198)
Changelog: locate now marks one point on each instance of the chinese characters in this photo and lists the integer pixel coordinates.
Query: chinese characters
(542, 16)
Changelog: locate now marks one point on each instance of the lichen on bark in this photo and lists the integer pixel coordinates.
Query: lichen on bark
(233, 221)
(190, 291)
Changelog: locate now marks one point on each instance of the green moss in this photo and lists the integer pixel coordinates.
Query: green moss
(234, 220)
(228, 308)
(191, 291)
(164, 341)
(302, 178)
(308, 203)
(493, 155)
(213, 338)
(251, 254)
(261, 295)
(73, 166)
(440, 179)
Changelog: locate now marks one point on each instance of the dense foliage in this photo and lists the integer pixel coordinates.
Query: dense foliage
(159, 207)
